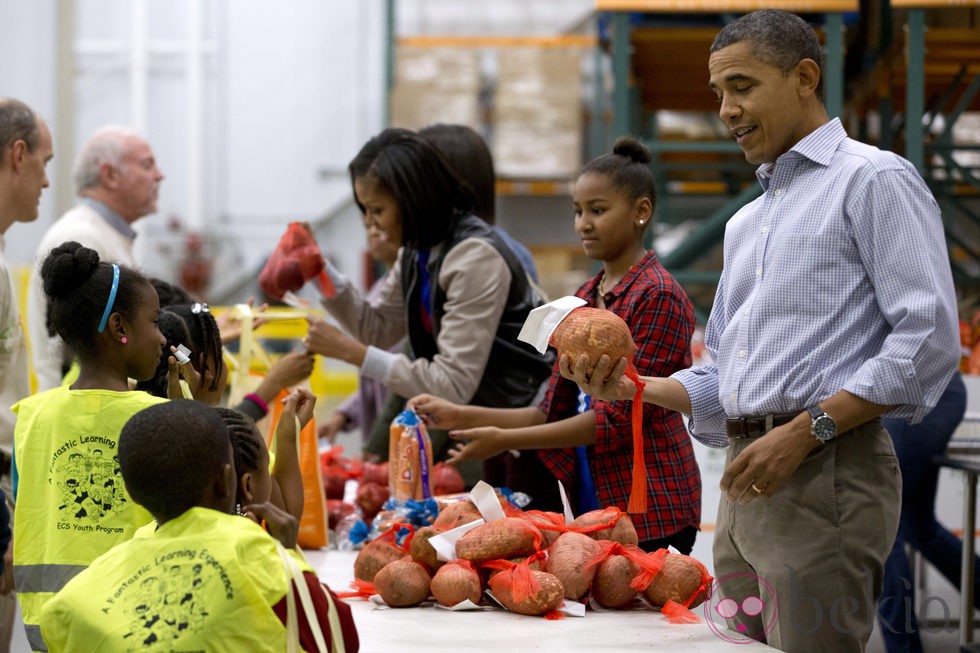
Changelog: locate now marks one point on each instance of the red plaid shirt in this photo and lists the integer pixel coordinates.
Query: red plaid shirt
(661, 319)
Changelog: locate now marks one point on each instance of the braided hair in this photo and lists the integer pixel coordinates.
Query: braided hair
(169, 453)
(246, 441)
(77, 285)
(174, 329)
(204, 337)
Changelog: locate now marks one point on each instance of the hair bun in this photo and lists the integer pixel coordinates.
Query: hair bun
(632, 149)
(67, 267)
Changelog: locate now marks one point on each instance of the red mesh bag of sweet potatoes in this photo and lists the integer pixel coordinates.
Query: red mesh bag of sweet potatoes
(295, 260)
(593, 332)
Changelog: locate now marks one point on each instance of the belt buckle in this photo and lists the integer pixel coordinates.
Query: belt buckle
(743, 435)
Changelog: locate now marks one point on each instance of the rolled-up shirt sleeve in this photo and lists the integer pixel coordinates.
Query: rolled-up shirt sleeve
(891, 212)
(706, 422)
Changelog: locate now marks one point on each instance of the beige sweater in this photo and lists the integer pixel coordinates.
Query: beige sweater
(476, 281)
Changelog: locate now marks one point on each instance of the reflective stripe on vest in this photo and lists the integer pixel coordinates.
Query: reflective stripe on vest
(43, 578)
(34, 638)
(73, 506)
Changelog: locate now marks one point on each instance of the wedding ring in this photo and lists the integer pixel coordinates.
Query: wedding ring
(756, 489)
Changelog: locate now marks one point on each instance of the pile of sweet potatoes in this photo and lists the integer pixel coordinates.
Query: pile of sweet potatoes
(531, 562)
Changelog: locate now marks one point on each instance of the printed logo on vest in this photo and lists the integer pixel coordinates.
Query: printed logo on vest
(86, 471)
(169, 599)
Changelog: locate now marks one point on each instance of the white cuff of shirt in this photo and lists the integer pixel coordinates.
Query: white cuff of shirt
(338, 278)
(377, 364)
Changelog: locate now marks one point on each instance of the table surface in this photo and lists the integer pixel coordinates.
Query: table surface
(427, 628)
(962, 461)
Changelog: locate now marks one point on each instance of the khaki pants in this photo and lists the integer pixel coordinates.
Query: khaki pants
(814, 551)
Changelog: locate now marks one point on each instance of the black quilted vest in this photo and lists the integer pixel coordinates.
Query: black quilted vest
(514, 370)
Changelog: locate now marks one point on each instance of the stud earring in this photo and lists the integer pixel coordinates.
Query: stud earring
(124, 341)
(642, 223)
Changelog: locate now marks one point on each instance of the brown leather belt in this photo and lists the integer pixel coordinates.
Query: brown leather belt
(739, 428)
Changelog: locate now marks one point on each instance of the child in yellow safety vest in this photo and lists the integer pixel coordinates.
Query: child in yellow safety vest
(200, 578)
(71, 503)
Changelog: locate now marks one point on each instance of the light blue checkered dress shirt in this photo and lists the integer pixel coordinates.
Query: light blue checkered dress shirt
(837, 277)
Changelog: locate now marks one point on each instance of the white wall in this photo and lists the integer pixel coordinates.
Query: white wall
(288, 92)
(28, 74)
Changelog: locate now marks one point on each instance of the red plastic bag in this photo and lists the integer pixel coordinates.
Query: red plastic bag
(294, 261)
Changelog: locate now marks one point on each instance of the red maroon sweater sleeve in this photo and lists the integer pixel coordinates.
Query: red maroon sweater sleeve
(318, 592)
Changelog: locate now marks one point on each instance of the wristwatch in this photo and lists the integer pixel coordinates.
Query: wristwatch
(823, 427)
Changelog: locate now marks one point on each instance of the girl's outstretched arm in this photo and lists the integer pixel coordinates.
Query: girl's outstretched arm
(287, 471)
(486, 441)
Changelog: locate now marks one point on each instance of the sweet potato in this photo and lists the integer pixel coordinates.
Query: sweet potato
(544, 519)
(455, 582)
(537, 564)
(622, 530)
(373, 557)
(611, 585)
(682, 579)
(402, 583)
(593, 332)
(422, 552)
(504, 538)
(549, 595)
(456, 514)
(567, 559)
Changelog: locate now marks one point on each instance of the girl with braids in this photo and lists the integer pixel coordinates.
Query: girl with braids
(613, 201)
(206, 373)
(72, 505)
(284, 486)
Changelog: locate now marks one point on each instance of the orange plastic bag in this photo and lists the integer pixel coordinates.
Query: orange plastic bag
(593, 332)
(313, 525)
(295, 260)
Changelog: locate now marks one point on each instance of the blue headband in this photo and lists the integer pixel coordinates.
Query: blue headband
(112, 297)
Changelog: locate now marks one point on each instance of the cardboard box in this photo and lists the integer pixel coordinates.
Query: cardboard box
(436, 85)
(538, 119)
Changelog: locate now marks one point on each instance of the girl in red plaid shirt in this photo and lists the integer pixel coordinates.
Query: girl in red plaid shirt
(614, 199)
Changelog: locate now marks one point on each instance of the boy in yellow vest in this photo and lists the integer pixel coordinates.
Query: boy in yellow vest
(199, 577)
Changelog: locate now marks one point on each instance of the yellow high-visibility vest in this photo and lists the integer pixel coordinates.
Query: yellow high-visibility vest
(205, 580)
(72, 505)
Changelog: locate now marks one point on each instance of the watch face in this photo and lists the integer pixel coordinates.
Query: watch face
(824, 428)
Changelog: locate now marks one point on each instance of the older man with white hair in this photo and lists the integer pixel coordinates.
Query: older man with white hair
(117, 180)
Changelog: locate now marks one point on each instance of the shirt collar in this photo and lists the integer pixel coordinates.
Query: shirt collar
(819, 146)
(114, 220)
(592, 286)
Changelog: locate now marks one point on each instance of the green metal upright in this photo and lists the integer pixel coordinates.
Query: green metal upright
(391, 46)
(833, 28)
(622, 120)
(915, 88)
